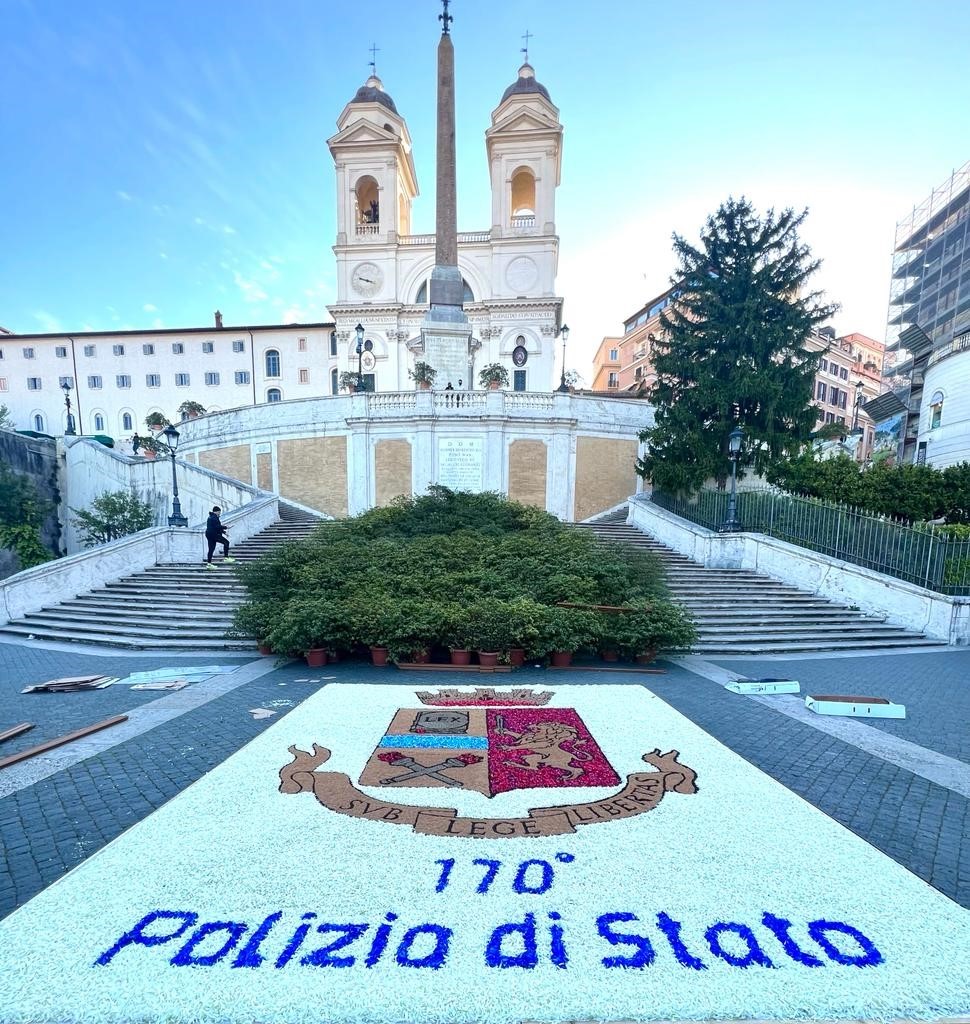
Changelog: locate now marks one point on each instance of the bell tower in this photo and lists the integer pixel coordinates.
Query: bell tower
(376, 187)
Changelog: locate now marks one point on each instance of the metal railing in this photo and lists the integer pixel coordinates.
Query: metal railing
(918, 554)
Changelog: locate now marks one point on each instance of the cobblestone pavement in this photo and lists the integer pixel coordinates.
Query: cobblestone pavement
(49, 827)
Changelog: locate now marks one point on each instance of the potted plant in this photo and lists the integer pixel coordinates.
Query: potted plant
(155, 422)
(660, 625)
(564, 631)
(347, 381)
(489, 629)
(524, 617)
(190, 410)
(423, 375)
(420, 625)
(311, 627)
(455, 632)
(373, 624)
(493, 376)
(148, 447)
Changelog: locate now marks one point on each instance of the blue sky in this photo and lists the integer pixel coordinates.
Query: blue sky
(164, 159)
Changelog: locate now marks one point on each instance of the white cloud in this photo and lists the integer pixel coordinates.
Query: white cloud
(228, 229)
(157, 322)
(150, 308)
(48, 323)
(163, 255)
(125, 197)
(252, 291)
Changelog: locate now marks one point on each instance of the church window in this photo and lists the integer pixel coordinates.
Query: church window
(89, 350)
(242, 376)
(333, 343)
(118, 350)
(212, 379)
(33, 383)
(153, 380)
(523, 194)
(368, 205)
(148, 350)
(518, 380)
(94, 382)
(304, 375)
(126, 421)
(182, 380)
(368, 346)
(61, 352)
(207, 346)
(273, 365)
(334, 378)
(239, 346)
(274, 395)
(370, 382)
(123, 380)
(39, 423)
(98, 421)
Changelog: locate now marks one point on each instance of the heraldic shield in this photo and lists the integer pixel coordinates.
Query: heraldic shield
(489, 750)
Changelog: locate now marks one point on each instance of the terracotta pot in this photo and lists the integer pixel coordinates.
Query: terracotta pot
(516, 657)
(423, 385)
(265, 649)
(560, 659)
(461, 656)
(646, 657)
(378, 656)
(493, 385)
(316, 658)
(150, 455)
(609, 655)
(488, 659)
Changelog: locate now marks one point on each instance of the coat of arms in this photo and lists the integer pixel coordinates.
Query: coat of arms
(490, 742)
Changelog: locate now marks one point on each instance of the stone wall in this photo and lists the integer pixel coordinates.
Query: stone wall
(35, 458)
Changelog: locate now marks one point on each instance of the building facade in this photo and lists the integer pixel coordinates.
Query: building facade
(509, 270)
(924, 413)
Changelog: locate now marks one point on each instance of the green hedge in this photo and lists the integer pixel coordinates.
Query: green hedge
(452, 569)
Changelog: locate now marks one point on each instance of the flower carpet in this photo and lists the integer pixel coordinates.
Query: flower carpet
(583, 853)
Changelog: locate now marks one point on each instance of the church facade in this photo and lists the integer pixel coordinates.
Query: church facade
(508, 271)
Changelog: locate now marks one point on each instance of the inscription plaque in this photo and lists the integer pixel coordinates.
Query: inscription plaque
(461, 463)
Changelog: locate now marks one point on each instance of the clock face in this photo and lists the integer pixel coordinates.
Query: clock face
(366, 279)
(521, 274)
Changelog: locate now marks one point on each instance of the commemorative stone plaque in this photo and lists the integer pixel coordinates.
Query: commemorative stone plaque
(461, 463)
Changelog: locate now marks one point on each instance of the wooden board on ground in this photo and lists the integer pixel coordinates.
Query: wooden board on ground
(59, 741)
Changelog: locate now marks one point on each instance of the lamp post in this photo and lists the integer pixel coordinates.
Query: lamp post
(172, 442)
(859, 385)
(360, 356)
(732, 523)
(564, 331)
(66, 388)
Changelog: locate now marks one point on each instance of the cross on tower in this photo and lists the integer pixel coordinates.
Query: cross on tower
(525, 49)
(374, 51)
(445, 18)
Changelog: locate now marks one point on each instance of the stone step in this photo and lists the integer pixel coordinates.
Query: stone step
(153, 627)
(743, 646)
(131, 641)
(805, 629)
(140, 618)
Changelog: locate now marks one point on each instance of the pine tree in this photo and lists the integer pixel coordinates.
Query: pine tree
(732, 349)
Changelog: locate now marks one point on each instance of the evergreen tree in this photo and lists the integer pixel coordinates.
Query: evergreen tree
(113, 514)
(731, 352)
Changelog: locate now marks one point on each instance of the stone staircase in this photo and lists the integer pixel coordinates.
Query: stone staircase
(167, 607)
(739, 611)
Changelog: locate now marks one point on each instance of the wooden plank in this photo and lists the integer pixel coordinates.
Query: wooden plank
(15, 730)
(605, 668)
(42, 748)
(438, 667)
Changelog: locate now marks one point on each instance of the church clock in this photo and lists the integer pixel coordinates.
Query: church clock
(366, 279)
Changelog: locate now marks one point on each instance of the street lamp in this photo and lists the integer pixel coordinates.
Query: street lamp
(859, 385)
(564, 331)
(732, 523)
(360, 356)
(66, 388)
(172, 442)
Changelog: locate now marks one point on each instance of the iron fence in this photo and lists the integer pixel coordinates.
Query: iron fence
(919, 554)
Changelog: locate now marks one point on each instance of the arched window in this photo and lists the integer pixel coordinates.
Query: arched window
(936, 410)
(368, 203)
(98, 422)
(127, 423)
(333, 381)
(421, 299)
(272, 363)
(39, 423)
(523, 194)
(274, 395)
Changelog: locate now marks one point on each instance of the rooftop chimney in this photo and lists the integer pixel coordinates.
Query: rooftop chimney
(218, 320)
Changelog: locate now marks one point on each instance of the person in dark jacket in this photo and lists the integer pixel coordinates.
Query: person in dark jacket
(215, 533)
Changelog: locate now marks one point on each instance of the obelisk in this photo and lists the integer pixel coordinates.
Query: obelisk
(446, 332)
